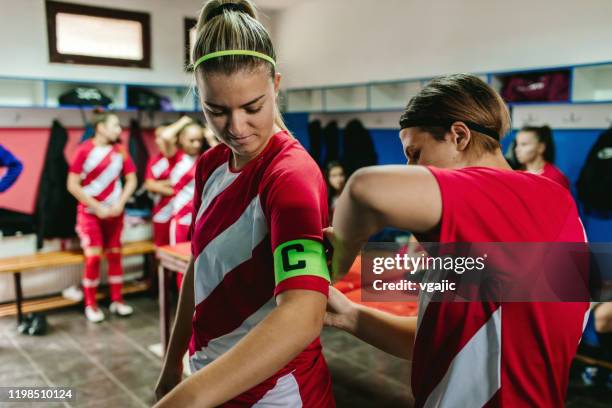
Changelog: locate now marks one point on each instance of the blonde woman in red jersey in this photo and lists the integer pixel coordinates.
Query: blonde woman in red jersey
(157, 182)
(459, 188)
(183, 142)
(253, 303)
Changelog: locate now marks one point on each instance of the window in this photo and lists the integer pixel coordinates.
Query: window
(98, 36)
(190, 39)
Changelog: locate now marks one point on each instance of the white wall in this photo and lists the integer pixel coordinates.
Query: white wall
(24, 46)
(324, 42)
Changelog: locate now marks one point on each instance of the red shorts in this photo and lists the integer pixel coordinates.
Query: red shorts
(101, 233)
(161, 233)
(178, 233)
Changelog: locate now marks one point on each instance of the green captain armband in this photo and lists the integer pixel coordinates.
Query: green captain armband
(301, 257)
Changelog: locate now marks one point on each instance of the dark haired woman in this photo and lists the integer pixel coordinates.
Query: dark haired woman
(535, 151)
(336, 179)
(459, 188)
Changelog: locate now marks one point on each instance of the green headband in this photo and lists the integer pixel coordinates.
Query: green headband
(233, 52)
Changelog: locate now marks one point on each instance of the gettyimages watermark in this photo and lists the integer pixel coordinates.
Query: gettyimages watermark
(496, 272)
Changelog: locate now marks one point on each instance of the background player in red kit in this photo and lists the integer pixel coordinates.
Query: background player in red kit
(535, 151)
(158, 182)
(95, 180)
(459, 188)
(182, 142)
(254, 298)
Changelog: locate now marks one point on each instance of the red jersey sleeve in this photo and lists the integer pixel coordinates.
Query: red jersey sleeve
(552, 172)
(149, 171)
(128, 164)
(78, 159)
(197, 194)
(295, 205)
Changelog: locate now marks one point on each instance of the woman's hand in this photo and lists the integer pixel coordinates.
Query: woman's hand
(115, 210)
(341, 312)
(166, 187)
(169, 378)
(102, 211)
(163, 187)
(343, 255)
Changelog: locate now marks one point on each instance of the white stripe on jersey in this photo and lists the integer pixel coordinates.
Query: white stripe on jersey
(90, 283)
(584, 234)
(104, 179)
(159, 167)
(185, 219)
(184, 196)
(114, 196)
(585, 320)
(165, 213)
(286, 394)
(173, 232)
(425, 297)
(181, 168)
(218, 181)
(217, 259)
(216, 347)
(95, 156)
(474, 375)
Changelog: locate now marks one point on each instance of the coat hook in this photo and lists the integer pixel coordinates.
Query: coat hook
(572, 118)
(530, 119)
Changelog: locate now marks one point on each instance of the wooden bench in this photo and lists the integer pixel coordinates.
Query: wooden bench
(28, 263)
(593, 361)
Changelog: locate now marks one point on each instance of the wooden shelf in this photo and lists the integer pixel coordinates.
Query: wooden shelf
(19, 92)
(40, 93)
(499, 80)
(181, 97)
(589, 84)
(346, 98)
(392, 96)
(55, 88)
(308, 100)
(592, 84)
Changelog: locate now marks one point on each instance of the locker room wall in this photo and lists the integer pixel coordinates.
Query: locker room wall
(572, 148)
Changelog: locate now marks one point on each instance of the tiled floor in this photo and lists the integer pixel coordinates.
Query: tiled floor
(110, 366)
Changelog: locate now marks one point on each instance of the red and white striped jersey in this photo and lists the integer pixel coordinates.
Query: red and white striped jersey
(476, 354)
(240, 219)
(100, 169)
(182, 177)
(159, 168)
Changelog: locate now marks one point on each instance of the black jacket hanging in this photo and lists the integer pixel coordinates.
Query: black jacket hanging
(331, 134)
(138, 151)
(594, 184)
(314, 134)
(358, 147)
(140, 156)
(55, 215)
